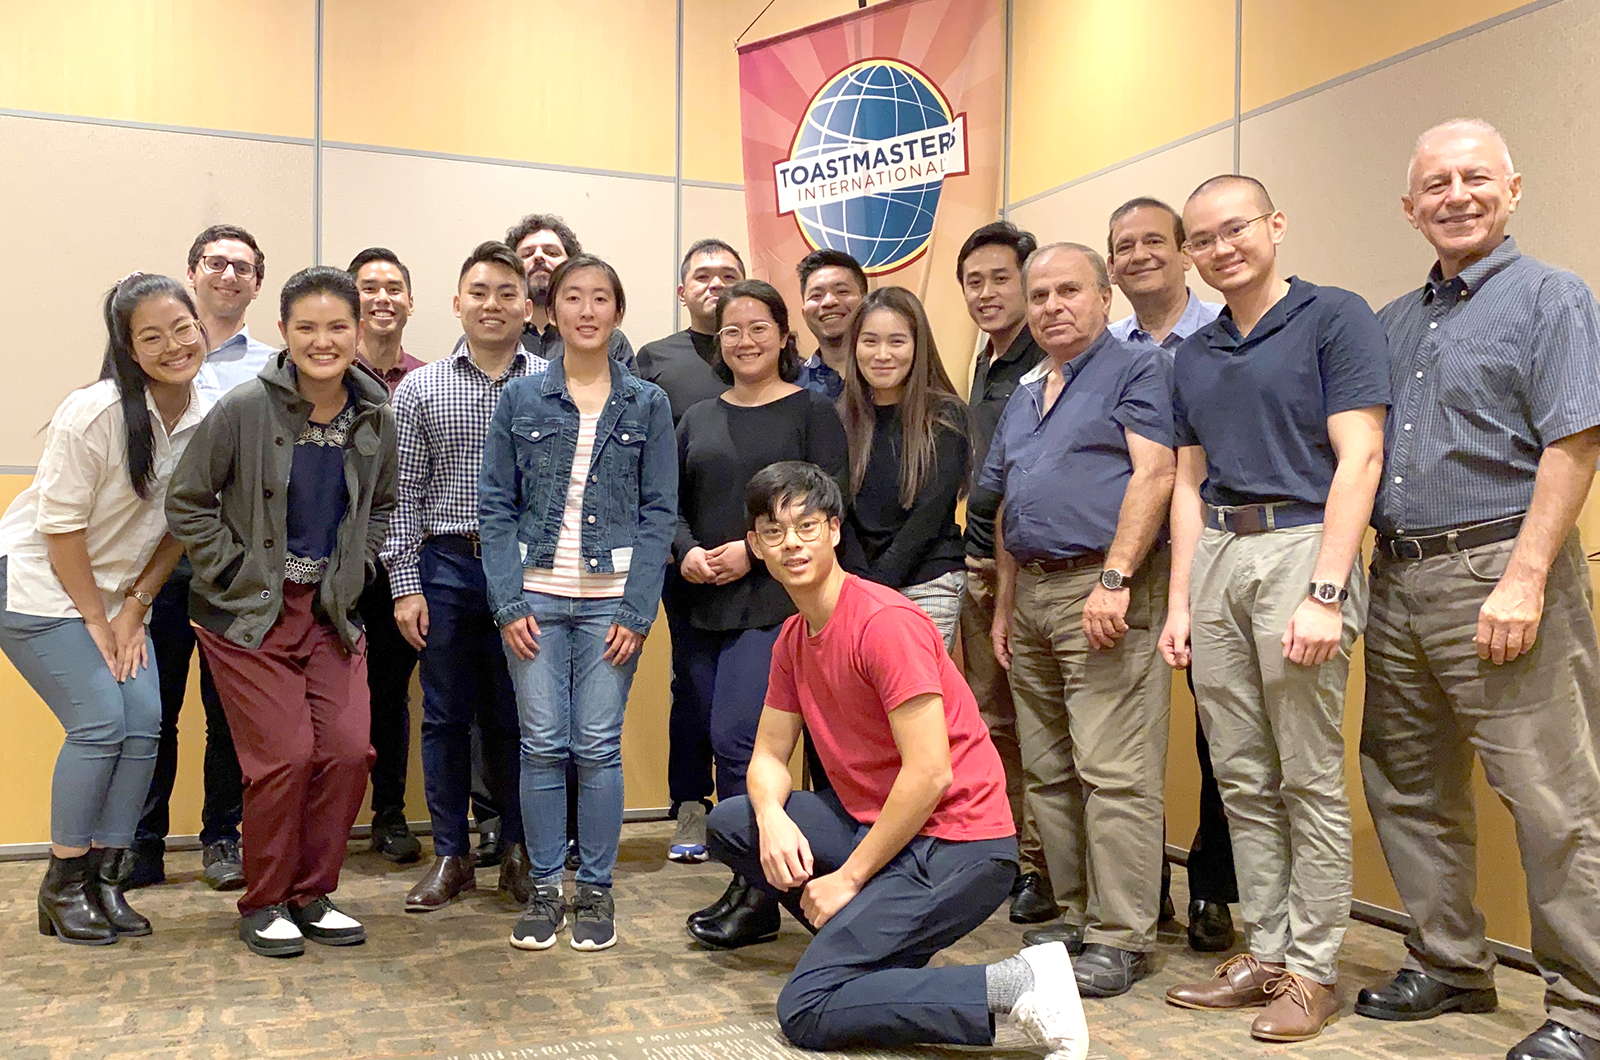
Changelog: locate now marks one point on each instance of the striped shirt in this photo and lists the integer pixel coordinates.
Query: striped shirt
(567, 577)
(1487, 369)
(442, 413)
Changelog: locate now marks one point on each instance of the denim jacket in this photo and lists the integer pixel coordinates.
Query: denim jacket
(631, 500)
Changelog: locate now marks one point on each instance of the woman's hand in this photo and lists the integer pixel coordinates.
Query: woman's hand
(522, 637)
(128, 640)
(695, 568)
(729, 562)
(621, 644)
(106, 641)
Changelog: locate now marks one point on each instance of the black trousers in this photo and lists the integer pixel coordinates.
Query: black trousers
(689, 752)
(174, 641)
(1211, 876)
(390, 663)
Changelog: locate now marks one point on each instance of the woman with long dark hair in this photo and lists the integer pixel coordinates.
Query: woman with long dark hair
(577, 506)
(82, 553)
(909, 456)
(735, 610)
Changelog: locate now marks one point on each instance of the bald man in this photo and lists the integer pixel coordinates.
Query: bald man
(1279, 407)
(1480, 633)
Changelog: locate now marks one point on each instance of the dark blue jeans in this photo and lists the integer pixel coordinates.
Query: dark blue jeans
(464, 677)
(724, 674)
(864, 979)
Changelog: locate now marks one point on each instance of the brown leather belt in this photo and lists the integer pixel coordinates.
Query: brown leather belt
(1059, 566)
(1426, 546)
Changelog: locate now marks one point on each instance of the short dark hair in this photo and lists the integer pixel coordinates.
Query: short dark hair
(588, 261)
(319, 279)
(787, 482)
(1143, 202)
(996, 234)
(216, 232)
(493, 252)
(1224, 179)
(707, 246)
(766, 294)
(371, 254)
(543, 222)
(828, 258)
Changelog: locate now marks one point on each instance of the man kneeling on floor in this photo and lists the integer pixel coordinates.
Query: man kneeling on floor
(914, 846)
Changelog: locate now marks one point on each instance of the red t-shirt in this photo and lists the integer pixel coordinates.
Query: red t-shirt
(877, 651)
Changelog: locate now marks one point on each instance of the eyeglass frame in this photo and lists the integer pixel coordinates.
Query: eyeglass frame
(237, 266)
(763, 532)
(738, 334)
(172, 336)
(1192, 250)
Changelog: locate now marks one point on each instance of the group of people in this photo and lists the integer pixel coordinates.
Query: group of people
(1186, 488)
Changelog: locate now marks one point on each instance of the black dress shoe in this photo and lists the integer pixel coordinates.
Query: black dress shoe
(392, 839)
(1555, 1041)
(735, 889)
(1411, 995)
(490, 849)
(1210, 927)
(1070, 935)
(752, 918)
(1031, 900)
(1105, 971)
(516, 875)
(574, 860)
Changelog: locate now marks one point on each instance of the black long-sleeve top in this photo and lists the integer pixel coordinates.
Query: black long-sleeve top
(720, 447)
(908, 546)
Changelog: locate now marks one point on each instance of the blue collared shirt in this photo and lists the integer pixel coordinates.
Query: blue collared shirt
(816, 375)
(1063, 472)
(236, 361)
(1196, 315)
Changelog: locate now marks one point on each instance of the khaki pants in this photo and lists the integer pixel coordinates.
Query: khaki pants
(1092, 726)
(991, 687)
(1276, 742)
(1431, 702)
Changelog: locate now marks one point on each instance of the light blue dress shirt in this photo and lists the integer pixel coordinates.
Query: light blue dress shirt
(1196, 315)
(236, 361)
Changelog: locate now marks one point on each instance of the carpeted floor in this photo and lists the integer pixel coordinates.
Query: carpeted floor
(447, 985)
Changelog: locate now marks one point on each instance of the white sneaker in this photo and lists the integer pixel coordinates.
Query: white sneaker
(1052, 1013)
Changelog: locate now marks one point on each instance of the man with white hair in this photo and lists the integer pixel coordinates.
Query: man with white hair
(1480, 635)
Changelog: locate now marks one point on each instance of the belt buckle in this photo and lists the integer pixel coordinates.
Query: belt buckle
(1398, 548)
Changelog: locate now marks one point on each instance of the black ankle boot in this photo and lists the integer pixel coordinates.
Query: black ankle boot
(752, 917)
(735, 890)
(109, 883)
(66, 907)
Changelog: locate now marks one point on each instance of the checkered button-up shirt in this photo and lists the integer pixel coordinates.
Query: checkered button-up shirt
(1487, 369)
(442, 411)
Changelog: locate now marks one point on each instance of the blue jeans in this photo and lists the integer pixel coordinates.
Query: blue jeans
(104, 767)
(571, 702)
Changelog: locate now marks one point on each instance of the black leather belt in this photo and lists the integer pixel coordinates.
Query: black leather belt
(1426, 546)
(1058, 566)
(1260, 518)
(466, 544)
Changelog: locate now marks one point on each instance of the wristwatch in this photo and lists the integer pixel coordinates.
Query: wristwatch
(1113, 579)
(143, 597)
(1329, 593)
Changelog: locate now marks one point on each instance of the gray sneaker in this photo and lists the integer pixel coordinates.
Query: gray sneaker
(594, 918)
(543, 916)
(689, 841)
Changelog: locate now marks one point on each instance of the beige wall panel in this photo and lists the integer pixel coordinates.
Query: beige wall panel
(715, 212)
(432, 212)
(588, 84)
(94, 202)
(148, 61)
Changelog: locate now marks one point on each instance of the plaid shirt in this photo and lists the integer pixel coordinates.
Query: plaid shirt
(442, 411)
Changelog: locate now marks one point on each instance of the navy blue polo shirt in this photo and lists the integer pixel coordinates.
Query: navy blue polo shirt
(1259, 405)
(1063, 472)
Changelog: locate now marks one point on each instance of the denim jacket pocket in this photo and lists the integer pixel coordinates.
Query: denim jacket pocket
(535, 439)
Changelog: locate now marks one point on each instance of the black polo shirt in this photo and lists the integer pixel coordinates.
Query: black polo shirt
(681, 364)
(992, 386)
(1259, 405)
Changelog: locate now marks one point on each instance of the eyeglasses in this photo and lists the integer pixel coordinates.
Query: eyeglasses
(807, 530)
(759, 332)
(217, 264)
(1229, 233)
(184, 334)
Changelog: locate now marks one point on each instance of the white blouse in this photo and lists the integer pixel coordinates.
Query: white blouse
(82, 484)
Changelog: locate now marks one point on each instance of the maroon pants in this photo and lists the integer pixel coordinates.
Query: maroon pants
(300, 714)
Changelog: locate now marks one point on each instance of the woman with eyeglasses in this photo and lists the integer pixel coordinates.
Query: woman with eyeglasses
(909, 456)
(577, 506)
(735, 609)
(83, 551)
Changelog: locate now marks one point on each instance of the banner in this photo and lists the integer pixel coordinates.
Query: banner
(878, 133)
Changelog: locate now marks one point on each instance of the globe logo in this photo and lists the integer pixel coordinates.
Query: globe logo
(868, 162)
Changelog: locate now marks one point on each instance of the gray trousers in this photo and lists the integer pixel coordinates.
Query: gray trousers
(1276, 742)
(940, 599)
(1092, 728)
(1431, 702)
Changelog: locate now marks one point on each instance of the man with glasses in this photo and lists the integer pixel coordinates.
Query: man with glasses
(1082, 460)
(543, 241)
(1279, 407)
(225, 269)
(1144, 245)
(1481, 635)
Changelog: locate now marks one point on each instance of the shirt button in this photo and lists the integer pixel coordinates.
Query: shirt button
(266, 594)
(1408, 426)
(1419, 375)
(1433, 323)
(1398, 479)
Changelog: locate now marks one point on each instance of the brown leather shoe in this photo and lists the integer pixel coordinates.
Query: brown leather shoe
(1300, 1008)
(445, 878)
(516, 874)
(1241, 981)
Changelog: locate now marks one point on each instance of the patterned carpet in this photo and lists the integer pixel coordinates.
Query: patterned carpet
(446, 984)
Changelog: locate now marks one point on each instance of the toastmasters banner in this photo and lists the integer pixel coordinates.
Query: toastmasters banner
(878, 133)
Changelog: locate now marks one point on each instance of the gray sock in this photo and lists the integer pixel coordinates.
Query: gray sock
(1006, 982)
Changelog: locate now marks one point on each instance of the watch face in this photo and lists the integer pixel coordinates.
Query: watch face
(1111, 579)
(1327, 592)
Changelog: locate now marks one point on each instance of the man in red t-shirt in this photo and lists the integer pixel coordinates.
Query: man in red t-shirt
(914, 846)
